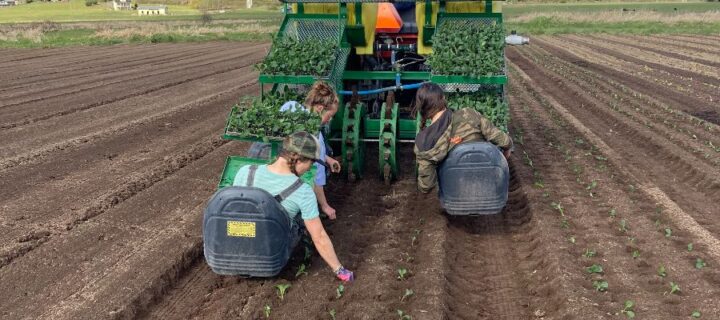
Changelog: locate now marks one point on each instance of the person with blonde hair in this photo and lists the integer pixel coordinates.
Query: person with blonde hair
(322, 100)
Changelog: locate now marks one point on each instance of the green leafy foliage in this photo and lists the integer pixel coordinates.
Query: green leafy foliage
(267, 310)
(661, 271)
(282, 289)
(468, 49)
(589, 253)
(674, 288)
(263, 118)
(696, 314)
(402, 274)
(629, 309)
(699, 263)
(332, 314)
(301, 271)
(403, 315)
(690, 247)
(600, 285)
(340, 291)
(489, 104)
(408, 293)
(290, 56)
(595, 268)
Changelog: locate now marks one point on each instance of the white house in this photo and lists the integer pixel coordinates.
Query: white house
(152, 10)
(122, 5)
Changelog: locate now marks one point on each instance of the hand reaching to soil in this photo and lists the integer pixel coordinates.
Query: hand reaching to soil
(329, 211)
(507, 153)
(345, 275)
(333, 164)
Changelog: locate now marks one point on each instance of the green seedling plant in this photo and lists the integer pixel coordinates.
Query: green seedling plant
(301, 271)
(600, 285)
(267, 310)
(589, 253)
(402, 274)
(668, 232)
(592, 187)
(403, 315)
(557, 206)
(674, 288)
(474, 50)
(690, 247)
(332, 314)
(696, 314)
(408, 293)
(290, 56)
(282, 289)
(629, 309)
(415, 237)
(340, 291)
(262, 118)
(613, 213)
(636, 254)
(661, 271)
(699, 263)
(571, 239)
(623, 226)
(564, 223)
(595, 268)
(490, 104)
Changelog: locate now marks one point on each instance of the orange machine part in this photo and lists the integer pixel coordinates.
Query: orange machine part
(388, 19)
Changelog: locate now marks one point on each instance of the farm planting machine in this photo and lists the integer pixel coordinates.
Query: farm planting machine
(376, 54)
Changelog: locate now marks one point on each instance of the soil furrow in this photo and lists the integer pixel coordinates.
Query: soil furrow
(683, 102)
(702, 74)
(106, 119)
(665, 53)
(664, 163)
(105, 267)
(602, 208)
(119, 85)
(110, 99)
(45, 80)
(700, 138)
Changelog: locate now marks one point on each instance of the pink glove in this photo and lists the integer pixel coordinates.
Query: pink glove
(344, 275)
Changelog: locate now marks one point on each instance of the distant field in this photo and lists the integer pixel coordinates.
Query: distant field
(516, 9)
(77, 11)
(73, 23)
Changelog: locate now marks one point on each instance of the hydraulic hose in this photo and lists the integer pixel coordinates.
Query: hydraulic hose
(376, 91)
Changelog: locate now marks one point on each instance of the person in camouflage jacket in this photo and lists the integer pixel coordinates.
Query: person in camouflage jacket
(448, 129)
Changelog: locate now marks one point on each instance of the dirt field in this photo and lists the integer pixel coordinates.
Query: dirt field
(109, 155)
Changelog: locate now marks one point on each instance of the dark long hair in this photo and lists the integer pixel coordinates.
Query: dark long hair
(429, 100)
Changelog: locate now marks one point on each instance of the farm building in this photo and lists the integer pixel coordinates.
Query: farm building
(122, 5)
(6, 3)
(152, 10)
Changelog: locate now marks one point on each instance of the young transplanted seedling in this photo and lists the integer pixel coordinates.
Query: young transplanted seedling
(267, 310)
(340, 291)
(661, 271)
(595, 268)
(332, 314)
(629, 309)
(699, 263)
(402, 273)
(301, 271)
(668, 232)
(623, 225)
(696, 314)
(403, 315)
(600, 285)
(282, 288)
(589, 253)
(408, 293)
(674, 288)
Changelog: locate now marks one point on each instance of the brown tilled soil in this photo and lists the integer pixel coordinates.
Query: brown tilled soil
(110, 154)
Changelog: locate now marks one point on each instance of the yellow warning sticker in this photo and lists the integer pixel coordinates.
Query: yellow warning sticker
(241, 229)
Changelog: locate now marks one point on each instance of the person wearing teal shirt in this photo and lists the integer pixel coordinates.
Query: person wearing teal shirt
(299, 152)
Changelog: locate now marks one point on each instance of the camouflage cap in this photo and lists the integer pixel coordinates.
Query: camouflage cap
(304, 144)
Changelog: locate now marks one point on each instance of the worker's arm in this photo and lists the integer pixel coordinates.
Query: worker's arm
(427, 175)
(322, 242)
